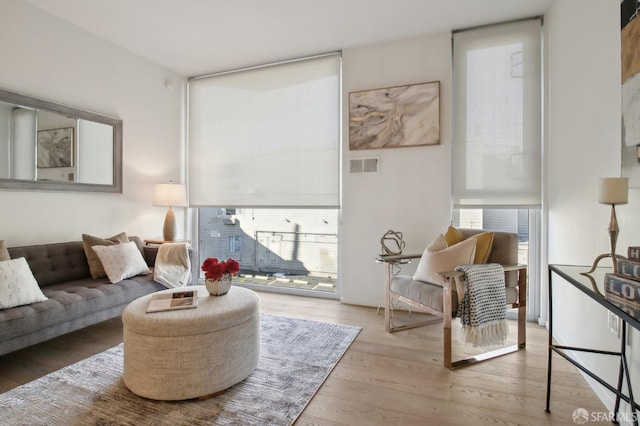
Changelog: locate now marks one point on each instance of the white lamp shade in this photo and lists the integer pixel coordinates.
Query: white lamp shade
(170, 195)
(613, 191)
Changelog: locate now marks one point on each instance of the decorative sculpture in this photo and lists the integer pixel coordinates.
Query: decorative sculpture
(392, 243)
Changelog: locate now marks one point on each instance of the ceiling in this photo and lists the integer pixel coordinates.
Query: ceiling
(194, 37)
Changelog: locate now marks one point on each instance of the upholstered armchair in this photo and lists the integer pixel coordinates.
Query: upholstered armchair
(437, 294)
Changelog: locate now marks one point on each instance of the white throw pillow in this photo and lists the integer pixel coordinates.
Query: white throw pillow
(17, 285)
(121, 261)
(437, 257)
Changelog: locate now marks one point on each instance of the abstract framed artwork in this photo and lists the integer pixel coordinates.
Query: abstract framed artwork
(630, 43)
(395, 117)
(55, 148)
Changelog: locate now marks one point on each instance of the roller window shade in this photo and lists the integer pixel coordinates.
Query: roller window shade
(266, 137)
(497, 146)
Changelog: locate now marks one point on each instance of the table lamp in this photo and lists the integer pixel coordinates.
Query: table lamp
(612, 191)
(170, 195)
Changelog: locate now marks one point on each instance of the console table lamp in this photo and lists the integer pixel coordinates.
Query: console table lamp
(612, 191)
(170, 195)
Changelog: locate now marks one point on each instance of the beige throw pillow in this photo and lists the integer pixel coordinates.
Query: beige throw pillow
(437, 257)
(17, 285)
(89, 241)
(4, 254)
(121, 261)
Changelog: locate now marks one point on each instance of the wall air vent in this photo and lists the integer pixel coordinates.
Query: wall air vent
(363, 165)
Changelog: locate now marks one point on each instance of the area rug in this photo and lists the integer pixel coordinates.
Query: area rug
(296, 357)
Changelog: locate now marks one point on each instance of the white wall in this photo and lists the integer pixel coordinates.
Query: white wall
(43, 56)
(411, 192)
(583, 40)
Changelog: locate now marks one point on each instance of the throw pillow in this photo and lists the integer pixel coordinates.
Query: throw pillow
(483, 246)
(17, 285)
(4, 253)
(453, 236)
(443, 260)
(89, 242)
(121, 261)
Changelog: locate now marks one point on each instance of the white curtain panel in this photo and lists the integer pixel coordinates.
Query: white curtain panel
(497, 146)
(266, 136)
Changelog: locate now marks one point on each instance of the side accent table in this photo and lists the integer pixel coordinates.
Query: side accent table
(588, 285)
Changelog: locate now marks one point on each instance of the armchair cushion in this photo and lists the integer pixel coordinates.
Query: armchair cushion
(437, 257)
(424, 293)
(483, 247)
(484, 244)
(453, 236)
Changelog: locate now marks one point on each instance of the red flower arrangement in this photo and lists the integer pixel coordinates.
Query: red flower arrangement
(214, 269)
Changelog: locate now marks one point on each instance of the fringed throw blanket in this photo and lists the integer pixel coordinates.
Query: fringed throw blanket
(483, 309)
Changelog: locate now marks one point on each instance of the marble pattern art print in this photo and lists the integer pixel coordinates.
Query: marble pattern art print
(395, 117)
(630, 40)
(55, 148)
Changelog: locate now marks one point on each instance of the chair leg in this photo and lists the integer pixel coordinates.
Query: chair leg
(447, 344)
(446, 319)
(388, 316)
(522, 308)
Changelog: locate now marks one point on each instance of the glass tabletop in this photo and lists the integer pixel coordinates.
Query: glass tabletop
(593, 285)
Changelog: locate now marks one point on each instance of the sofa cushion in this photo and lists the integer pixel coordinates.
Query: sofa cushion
(73, 302)
(121, 261)
(89, 241)
(17, 285)
(4, 253)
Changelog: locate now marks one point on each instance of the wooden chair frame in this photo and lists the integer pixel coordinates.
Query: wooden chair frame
(446, 316)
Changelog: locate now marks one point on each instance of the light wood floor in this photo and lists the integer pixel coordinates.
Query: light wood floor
(383, 379)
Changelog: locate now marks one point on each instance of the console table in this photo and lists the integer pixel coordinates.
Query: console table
(590, 286)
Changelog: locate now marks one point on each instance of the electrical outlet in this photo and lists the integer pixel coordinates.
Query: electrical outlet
(614, 323)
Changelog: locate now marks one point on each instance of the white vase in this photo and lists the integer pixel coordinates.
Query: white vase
(218, 287)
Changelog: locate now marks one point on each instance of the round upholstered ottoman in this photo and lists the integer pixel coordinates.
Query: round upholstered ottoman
(191, 353)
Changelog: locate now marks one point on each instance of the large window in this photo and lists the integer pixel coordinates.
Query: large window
(295, 249)
(264, 170)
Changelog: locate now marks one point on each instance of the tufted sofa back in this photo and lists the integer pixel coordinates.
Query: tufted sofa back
(54, 263)
(57, 262)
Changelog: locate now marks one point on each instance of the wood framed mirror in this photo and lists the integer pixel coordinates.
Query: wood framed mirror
(47, 146)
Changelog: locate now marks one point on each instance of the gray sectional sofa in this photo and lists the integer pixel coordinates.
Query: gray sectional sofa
(76, 300)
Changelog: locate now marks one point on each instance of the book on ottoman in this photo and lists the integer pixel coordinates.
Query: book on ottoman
(171, 301)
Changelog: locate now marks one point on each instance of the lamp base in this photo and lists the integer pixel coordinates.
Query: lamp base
(169, 228)
(613, 238)
(614, 258)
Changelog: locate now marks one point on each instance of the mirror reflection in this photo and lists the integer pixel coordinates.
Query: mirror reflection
(49, 146)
